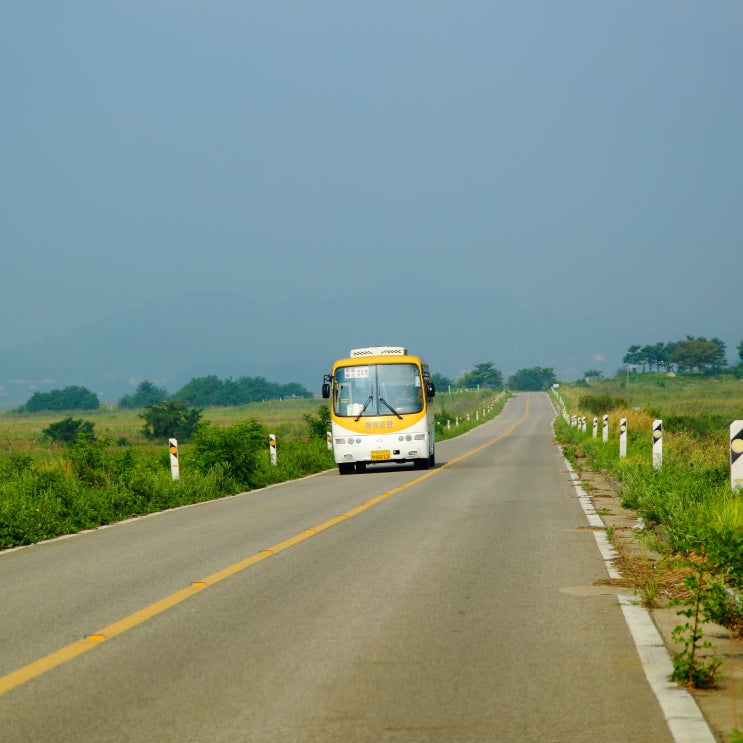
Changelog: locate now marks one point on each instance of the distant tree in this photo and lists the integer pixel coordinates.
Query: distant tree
(592, 374)
(68, 430)
(170, 419)
(633, 357)
(740, 352)
(145, 394)
(211, 391)
(685, 356)
(534, 379)
(441, 382)
(721, 359)
(699, 354)
(483, 375)
(69, 398)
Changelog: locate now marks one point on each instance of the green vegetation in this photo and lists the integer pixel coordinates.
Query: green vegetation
(146, 394)
(211, 391)
(167, 419)
(532, 380)
(70, 398)
(442, 383)
(62, 476)
(688, 504)
(690, 667)
(461, 411)
(689, 355)
(483, 375)
(68, 431)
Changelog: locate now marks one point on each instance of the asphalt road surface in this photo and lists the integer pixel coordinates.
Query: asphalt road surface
(456, 604)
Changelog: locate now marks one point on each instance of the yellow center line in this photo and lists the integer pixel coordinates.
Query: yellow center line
(94, 639)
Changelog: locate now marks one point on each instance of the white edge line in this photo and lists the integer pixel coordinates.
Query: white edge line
(683, 716)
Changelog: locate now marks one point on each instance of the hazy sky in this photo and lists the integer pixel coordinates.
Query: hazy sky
(527, 183)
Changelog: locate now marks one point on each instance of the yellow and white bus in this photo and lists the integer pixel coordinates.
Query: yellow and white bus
(381, 409)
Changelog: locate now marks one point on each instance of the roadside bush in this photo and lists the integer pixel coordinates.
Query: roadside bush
(235, 449)
(319, 422)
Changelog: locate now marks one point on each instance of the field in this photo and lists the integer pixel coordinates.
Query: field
(22, 433)
(48, 489)
(719, 397)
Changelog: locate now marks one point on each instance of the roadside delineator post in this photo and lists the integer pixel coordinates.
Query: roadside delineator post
(605, 430)
(329, 439)
(657, 444)
(595, 427)
(174, 469)
(622, 437)
(736, 450)
(272, 448)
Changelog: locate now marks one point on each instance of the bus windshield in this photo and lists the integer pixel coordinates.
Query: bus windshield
(377, 389)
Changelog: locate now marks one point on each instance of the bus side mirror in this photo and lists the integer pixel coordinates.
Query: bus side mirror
(431, 391)
(325, 390)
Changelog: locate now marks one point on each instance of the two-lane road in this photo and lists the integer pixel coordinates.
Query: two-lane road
(449, 605)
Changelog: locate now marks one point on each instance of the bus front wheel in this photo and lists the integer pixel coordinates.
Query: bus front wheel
(345, 468)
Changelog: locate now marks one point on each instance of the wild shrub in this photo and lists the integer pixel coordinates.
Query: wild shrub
(236, 449)
(319, 422)
(691, 667)
(599, 404)
(170, 420)
(88, 459)
(708, 424)
(68, 430)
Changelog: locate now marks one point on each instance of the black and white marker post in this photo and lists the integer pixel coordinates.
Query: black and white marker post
(622, 437)
(174, 469)
(272, 448)
(657, 444)
(736, 452)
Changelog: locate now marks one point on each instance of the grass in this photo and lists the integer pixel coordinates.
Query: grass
(692, 514)
(47, 490)
(692, 396)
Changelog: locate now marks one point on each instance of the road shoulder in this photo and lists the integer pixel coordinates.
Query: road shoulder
(639, 575)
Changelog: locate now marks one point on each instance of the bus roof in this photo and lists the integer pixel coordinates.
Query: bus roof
(378, 351)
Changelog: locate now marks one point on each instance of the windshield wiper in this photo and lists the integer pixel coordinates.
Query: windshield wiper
(366, 405)
(384, 402)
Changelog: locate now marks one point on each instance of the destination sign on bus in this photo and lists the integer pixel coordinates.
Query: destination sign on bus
(356, 372)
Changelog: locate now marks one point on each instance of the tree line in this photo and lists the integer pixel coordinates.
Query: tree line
(485, 375)
(209, 391)
(687, 356)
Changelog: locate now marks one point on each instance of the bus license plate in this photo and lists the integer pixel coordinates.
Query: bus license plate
(380, 456)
